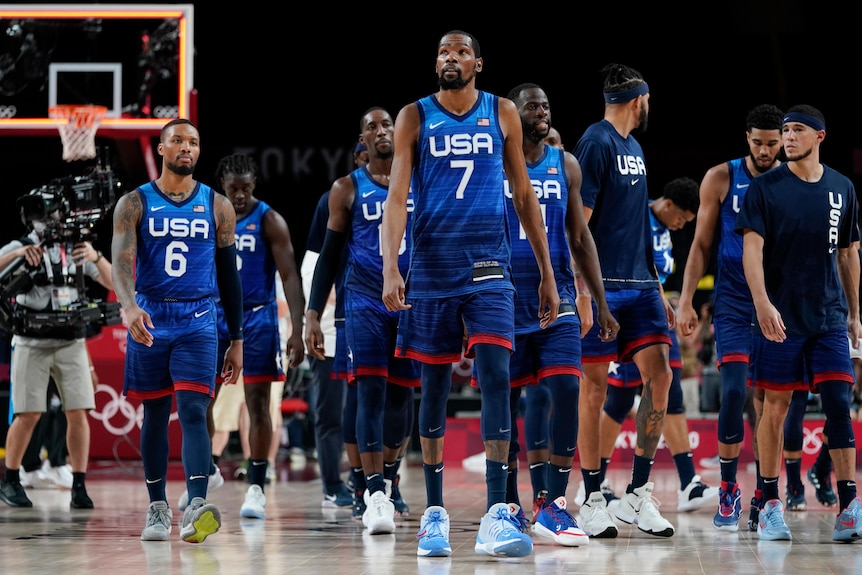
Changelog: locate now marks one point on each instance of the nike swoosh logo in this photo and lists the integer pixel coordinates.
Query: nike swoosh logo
(330, 497)
(157, 208)
(366, 194)
(257, 308)
(432, 126)
(733, 436)
(591, 473)
(193, 477)
(535, 465)
(257, 463)
(540, 442)
(570, 449)
(850, 523)
(433, 429)
(439, 469)
(201, 313)
(636, 180)
(151, 481)
(505, 468)
(505, 430)
(741, 186)
(370, 443)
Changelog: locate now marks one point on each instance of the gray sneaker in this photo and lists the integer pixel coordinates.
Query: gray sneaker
(158, 526)
(200, 520)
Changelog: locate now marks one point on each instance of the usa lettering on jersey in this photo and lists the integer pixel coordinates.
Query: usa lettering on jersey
(178, 227)
(629, 165)
(461, 144)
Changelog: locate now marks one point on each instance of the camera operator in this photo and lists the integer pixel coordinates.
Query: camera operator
(55, 349)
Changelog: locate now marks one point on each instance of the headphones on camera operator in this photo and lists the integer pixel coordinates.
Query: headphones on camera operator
(49, 300)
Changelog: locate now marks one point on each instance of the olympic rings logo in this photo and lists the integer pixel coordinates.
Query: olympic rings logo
(464, 368)
(812, 440)
(8, 111)
(117, 415)
(165, 111)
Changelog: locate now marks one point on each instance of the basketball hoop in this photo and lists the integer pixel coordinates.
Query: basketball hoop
(77, 125)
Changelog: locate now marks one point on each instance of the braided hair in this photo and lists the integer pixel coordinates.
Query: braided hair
(619, 78)
(235, 164)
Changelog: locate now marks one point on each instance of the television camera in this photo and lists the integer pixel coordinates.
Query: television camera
(64, 211)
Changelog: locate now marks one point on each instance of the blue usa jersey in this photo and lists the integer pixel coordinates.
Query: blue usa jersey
(615, 187)
(732, 295)
(803, 225)
(364, 272)
(548, 177)
(254, 258)
(662, 247)
(176, 245)
(460, 228)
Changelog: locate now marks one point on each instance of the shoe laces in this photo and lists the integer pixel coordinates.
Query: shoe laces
(646, 498)
(727, 501)
(561, 517)
(503, 521)
(158, 516)
(434, 525)
(773, 519)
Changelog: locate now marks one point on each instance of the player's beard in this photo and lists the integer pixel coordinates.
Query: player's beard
(798, 155)
(455, 84)
(760, 169)
(533, 134)
(642, 120)
(180, 170)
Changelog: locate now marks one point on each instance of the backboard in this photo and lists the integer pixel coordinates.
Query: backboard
(135, 59)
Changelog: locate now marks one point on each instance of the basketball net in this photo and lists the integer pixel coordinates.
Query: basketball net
(77, 125)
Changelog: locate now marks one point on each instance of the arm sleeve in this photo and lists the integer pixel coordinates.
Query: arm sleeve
(230, 289)
(326, 269)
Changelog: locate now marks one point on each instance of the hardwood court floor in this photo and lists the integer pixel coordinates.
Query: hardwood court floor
(298, 536)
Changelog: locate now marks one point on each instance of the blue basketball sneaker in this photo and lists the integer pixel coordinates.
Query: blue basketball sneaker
(795, 498)
(729, 507)
(500, 533)
(554, 522)
(754, 509)
(434, 533)
(822, 488)
(770, 524)
(848, 524)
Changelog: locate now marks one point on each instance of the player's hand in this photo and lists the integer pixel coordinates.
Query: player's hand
(232, 367)
(549, 302)
(314, 336)
(771, 325)
(609, 327)
(394, 292)
(295, 350)
(686, 318)
(138, 321)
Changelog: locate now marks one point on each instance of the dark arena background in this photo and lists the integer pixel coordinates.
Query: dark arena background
(290, 90)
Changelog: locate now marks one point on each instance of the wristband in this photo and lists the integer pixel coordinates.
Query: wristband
(98, 258)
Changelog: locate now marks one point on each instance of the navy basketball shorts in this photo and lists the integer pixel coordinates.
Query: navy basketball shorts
(183, 354)
(642, 320)
(433, 330)
(370, 331)
(733, 338)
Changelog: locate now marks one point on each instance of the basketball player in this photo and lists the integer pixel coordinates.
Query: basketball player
(355, 207)
(615, 196)
(173, 238)
(552, 355)
(453, 148)
(722, 191)
(800, 221)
